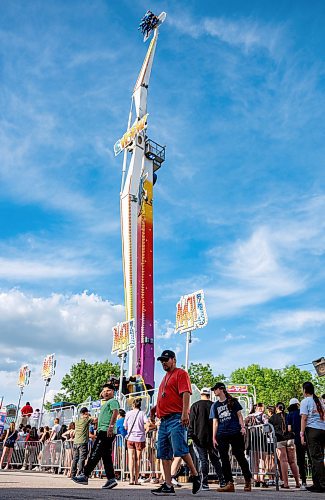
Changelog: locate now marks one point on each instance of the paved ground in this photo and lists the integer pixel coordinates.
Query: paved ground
(41, 486)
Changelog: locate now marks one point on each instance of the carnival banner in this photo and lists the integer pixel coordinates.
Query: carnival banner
(48, 367)
(128, 137)
(191, 312)
(237, 389)
(3, 416)
(123, 337)
(23, 377)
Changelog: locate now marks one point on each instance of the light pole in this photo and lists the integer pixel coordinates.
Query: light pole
(122, 358)
(19, 401)
(187, 352)
(47, 383)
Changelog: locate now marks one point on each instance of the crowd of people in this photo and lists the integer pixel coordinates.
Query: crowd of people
(176, 434)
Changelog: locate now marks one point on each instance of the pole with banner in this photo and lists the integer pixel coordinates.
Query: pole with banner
(123, 344)
(3, 416)
(187, 350)
(190, 315)
(23, 380)
(48, 371)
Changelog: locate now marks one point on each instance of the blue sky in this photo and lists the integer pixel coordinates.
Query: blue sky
(237, 96)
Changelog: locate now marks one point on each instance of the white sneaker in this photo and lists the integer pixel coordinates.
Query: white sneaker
(23, 468)
(303, 487)
(176, 483)
(144, 480)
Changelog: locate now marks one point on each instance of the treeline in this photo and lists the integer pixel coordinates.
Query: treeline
(272, 385)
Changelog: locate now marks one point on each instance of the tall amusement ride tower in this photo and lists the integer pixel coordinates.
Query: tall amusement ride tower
(142, 158)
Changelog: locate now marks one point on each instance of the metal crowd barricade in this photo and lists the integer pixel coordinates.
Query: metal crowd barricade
(26, 454)
(261, 454)
(66, 456)
(261, 450)
(149, 464)
(118, 455)
(18, 454)
(51, 455)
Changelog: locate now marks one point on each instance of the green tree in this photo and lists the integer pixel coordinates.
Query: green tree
(202, 375)
(319, 385)
(86, 379)
(273, 385)
(47, 406)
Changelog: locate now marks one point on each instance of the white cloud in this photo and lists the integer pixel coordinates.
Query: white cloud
(166, 331)
(71, 325)
(295, 320)
(252, 273)
(245, 33)
(231, 337)
(31, 271)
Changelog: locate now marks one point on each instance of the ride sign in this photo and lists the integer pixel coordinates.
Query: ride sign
(130, 134)
(48, 367)
(237, 389)
(191, 312)
(23, 377)
(123, 337)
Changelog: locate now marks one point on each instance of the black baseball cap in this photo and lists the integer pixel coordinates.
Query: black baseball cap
(218, 385)
(166, 355)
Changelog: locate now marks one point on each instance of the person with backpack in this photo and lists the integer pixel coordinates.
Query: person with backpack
(285, 446)
(8, 445)
(312, 411)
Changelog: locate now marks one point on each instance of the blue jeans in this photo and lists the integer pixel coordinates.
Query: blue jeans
(172, 438)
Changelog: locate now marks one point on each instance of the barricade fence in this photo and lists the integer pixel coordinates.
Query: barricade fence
(68, 414)
(260, 449)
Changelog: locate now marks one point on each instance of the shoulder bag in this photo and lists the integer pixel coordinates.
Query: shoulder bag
(129, 432)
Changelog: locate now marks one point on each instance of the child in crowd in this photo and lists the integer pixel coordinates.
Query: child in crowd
(81, 438)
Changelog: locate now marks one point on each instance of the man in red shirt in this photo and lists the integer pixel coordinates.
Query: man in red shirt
(26, 412)
(172, 409)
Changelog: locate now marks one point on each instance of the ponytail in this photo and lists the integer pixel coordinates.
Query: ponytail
(319, 407)
(308, 387)
(230, 400)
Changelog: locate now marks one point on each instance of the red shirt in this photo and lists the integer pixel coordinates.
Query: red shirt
(27, 410)
(170, 392)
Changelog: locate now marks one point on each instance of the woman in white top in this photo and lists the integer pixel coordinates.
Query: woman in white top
(312, 411)
(134, 423)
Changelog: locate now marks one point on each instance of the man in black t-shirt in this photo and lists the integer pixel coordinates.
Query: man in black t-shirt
(200, 431)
